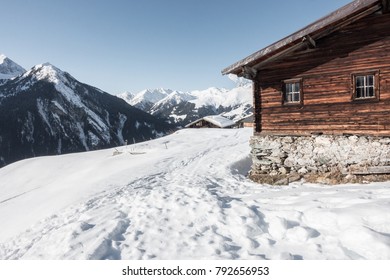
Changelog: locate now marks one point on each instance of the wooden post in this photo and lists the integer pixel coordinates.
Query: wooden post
(256, 106)
(385, 6)
(309, 41)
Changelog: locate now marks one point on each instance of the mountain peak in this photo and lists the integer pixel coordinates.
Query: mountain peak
(2, 58)
(9, 69)
(46, 67)
(47, 71)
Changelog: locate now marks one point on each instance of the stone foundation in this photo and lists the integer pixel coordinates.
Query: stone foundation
(328, 159)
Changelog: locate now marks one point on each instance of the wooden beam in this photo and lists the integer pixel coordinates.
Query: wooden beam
(371, 170)
(309, 41)
(385, 6)
(256, 89)
(249, 73)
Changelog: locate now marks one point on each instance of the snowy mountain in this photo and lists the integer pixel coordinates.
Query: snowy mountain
(183, 196)
(181, 108)
(126, 96)
(145, 99)
(46, 111)
(9, 69)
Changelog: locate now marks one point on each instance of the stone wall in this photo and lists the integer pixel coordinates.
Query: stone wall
(326, 158)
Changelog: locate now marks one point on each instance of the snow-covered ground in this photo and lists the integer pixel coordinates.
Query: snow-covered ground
(184, 196)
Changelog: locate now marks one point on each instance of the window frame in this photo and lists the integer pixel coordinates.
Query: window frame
(284, 92)
(376, 86)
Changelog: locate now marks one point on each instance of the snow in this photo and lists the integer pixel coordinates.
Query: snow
(183, 196)
(148, 96)
(9, 69)
(217, 120)
(220, 121)
(54, 75)
(42, 111)
(58, 105)
(238, 100)
(2, 58)
(122, 121)
(82, 136)
(127, 96)
(175, 97)
(94, 140)
(178, 117)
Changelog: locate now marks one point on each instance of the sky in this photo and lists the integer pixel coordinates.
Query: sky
(131, 45)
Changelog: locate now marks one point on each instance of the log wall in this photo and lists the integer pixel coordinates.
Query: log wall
(326, 72)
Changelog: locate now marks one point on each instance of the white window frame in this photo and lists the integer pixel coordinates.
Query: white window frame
(292, 92)
(366, 86)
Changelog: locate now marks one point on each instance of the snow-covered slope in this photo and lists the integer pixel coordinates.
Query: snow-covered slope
(126, 96)
(9, 69)
(46, 111)
(145, 99)
(181, 108)
(184, 196)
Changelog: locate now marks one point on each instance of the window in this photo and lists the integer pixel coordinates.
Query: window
(365, 86)
(292, 92)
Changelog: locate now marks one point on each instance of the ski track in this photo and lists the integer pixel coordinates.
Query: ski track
(194, 209)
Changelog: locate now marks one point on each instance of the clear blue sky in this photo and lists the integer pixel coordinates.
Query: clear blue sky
(119, 45)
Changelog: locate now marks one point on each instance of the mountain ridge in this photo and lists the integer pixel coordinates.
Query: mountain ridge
(46, 111)
(180, 108)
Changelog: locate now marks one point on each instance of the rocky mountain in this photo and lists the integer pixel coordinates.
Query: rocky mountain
(9, 69)
(46, 111)
(180, 108)
(146, 99)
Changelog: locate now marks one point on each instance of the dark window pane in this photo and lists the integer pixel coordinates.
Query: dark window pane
(370, 92)
(296, 97)
(370, 81)
(288, 99)
(359, 81)
(359, 92)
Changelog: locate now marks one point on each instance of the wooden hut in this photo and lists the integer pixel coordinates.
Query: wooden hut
(331, 78)
(246, 121)
(216, 121)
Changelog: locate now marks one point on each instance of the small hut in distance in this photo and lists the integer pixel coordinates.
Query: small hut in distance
(246, 121)
(212, 122)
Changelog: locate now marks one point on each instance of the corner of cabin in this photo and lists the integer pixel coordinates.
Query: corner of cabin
(322, 102)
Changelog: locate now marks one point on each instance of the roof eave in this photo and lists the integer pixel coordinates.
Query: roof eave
(320, 28)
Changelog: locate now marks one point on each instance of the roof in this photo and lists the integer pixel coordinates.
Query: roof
(217, 120)
(318, 29)
(247, 118)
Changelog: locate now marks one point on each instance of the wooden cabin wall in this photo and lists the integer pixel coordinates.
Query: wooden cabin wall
(326, 72)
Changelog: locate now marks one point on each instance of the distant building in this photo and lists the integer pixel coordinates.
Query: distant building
(322, 97)
(212, 122)
(246, 121)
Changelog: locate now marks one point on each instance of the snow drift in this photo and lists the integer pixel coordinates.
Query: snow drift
(184, 196)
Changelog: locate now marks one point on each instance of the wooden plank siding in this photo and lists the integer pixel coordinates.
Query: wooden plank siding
(326, 72)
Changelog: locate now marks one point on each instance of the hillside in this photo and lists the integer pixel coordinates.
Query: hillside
(46, 111)
(183, 196)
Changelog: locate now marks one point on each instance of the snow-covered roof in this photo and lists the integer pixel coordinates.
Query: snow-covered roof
(217, 120)
(318, 29)
(246, 118)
